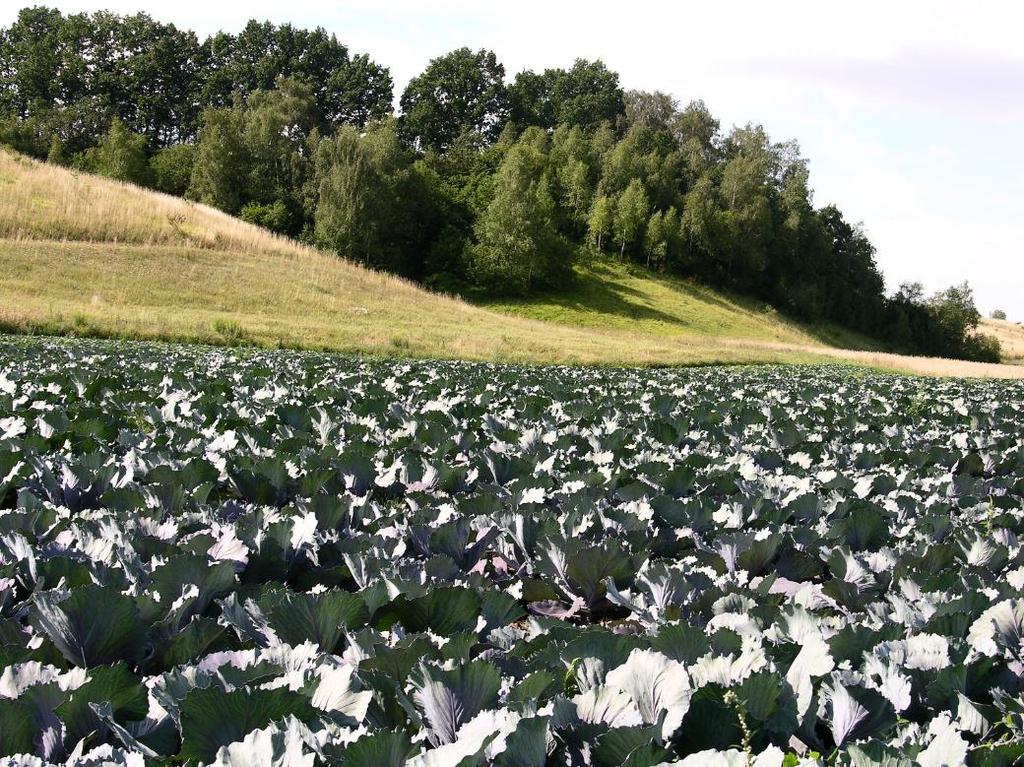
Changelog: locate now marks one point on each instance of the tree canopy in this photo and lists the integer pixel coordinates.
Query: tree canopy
(586, 95)
(71, 75)
(460, 92)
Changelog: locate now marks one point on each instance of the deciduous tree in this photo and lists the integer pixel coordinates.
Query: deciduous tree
(631, 213)
(587, 94)
(601, 220)
(458, 92)
(518, 247)
(122, 155)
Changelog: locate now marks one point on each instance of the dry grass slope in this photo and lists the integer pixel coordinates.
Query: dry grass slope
(47, 202)
(1011, 338)
(88, 256)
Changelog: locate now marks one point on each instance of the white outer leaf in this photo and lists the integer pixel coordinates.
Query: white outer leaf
(607, 705)
(927, 652)
(292, 745)
(770, 757)
(656, 683)
(947, 749)
(1005, 618)
(813, 660)
(335, 693)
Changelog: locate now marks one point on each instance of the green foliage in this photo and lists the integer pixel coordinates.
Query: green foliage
(372, 204)
(172, 168)
(70, 74)
(56, 154)
(252, 156)
(651, 109)
(601, 219)
(121, 155)
(697, 132)
(998, 314)
(458, 92)
(748, 210)
(345, 88)
(518, 247)
(277, 125)
(586, 95)
(982, 347)
(948, 322)
(661, 237)
(344, 184)
(221, 163)
(289, 129)
(273, 216)
(79, 126)
(955, 311)
(944, 325)
(631, 212)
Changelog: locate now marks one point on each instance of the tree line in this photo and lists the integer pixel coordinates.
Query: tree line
(478, 184)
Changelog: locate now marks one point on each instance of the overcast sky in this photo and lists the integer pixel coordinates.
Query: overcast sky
(912, 113)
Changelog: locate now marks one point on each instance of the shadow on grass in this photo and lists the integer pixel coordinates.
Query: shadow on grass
(599, 288)
(596, 289)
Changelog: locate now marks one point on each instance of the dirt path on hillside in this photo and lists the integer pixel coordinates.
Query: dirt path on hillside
(932, 366)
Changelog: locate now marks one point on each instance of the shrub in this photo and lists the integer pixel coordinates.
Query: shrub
(998, 314)
(30, 136)
(273, 216)
(122, 155)
(982, 347)
(172, 168)
(87, 161)
(230, 331)
(56, 154)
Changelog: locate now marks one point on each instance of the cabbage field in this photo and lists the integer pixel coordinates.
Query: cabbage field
(276, 558)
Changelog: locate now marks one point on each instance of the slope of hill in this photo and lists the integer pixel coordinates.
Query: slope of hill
(613, 294)
(88, 256)
(1011, 338)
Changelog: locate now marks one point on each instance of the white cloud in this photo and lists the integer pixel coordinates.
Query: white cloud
(942, 152)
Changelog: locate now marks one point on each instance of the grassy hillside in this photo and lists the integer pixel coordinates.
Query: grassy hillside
(612, 294)
(1011, 338)
(87, 256)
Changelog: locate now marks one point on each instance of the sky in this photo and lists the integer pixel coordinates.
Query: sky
(911, 112)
